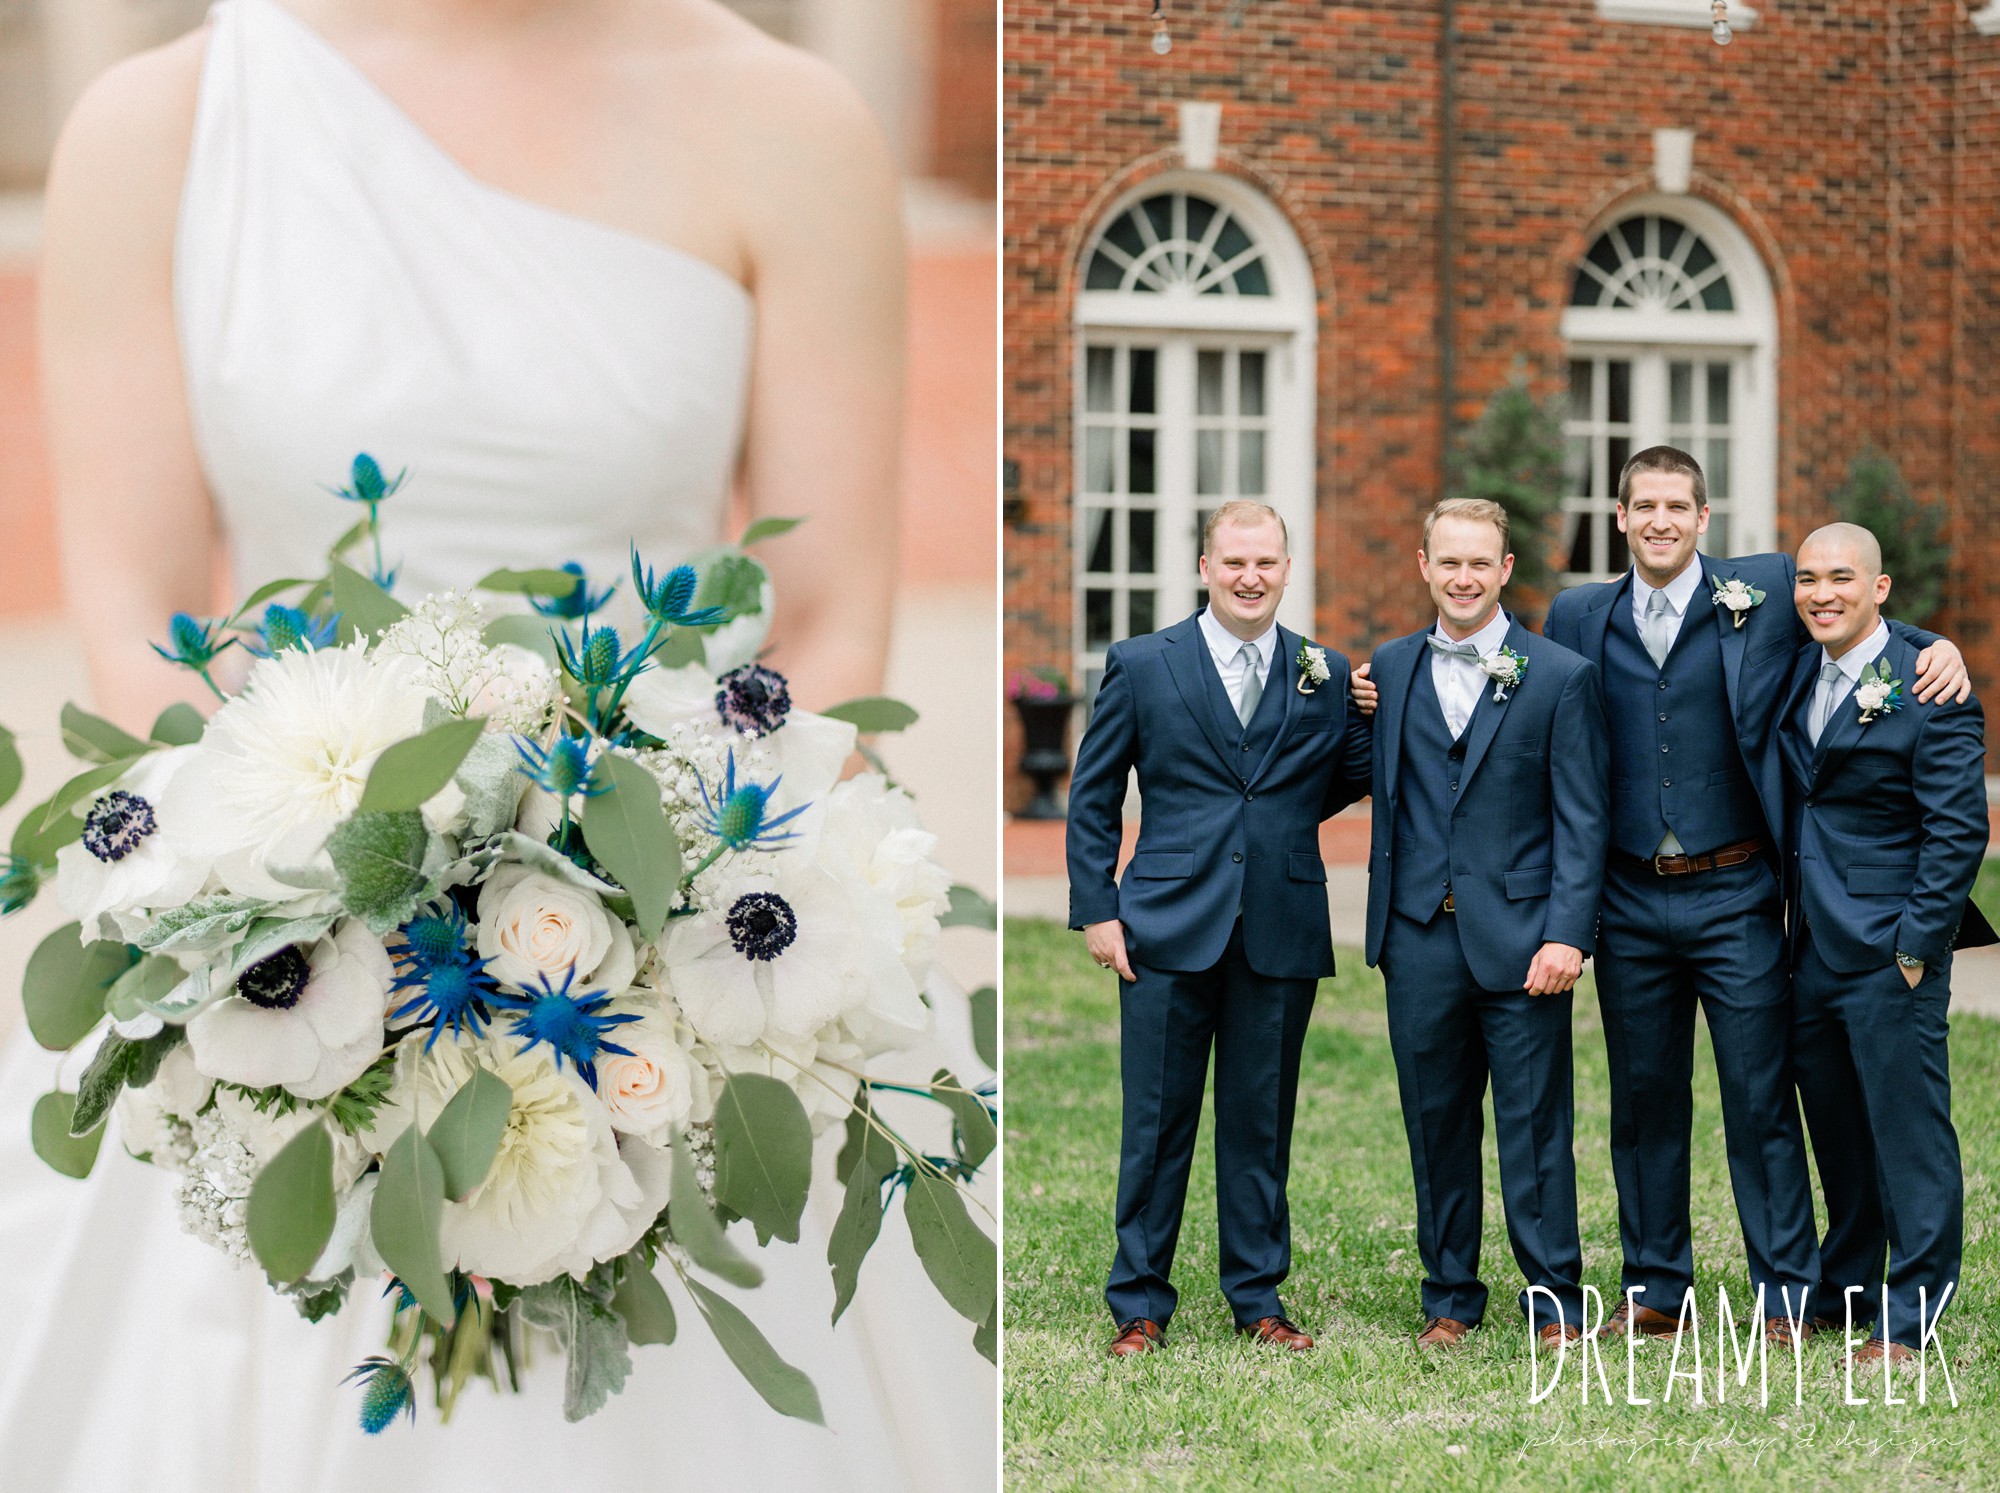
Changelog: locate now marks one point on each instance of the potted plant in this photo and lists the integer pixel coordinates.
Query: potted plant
(1041, 696)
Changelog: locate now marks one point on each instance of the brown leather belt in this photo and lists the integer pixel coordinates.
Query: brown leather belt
(1715, 860)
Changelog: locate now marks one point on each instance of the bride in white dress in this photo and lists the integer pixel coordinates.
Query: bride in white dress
(580, 265)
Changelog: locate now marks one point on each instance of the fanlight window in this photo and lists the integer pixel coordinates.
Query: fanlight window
(1178, 242)
(1649, 263)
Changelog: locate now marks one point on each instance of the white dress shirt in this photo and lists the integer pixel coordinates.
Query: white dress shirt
(1227, 651)
(1679, 592)
(1458, 679)
(1850, 664)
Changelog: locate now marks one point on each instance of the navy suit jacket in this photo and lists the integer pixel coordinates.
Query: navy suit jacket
(1888, 822)
(1533, 817)
(1219, 830)
(1757, 658)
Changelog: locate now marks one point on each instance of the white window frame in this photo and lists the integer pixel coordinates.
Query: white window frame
(1654, 337)
(1693, 14)
(1284, 324)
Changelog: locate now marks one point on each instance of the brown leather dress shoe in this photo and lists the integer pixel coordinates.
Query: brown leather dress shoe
(1630, 1316)
(1553, 1333)
(1443, 1332)
(1875, 1350)
(1277, 1330)
(1140, 1335)
(1778, 1332)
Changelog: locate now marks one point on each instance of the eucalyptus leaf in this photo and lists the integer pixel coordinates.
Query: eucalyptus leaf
(734, 581)
(554, 584)
(642, 1301)
(865, 1139)
(36, 841)
(65, 986)
(784, 1388)
(873, 714)
(592, 1336)
(404, 1219)
(142, 986)
(206, 924)
(348, 540)
(854, 1233)
(970, 909)
(763, 1153)
(985, 1003)
(987, 1338)
(381, 862)
(679, 647)
(264, 593)
(48, 1129)
(467, 1134)
(697, 1230)
(84, 785)
(178, 725)
(960, 1260)
(976, 1137)
(290, 1214)
(365, 608)
(767, 528)
(627, 831)
(531, 633)
(411, 772)
(95, 739)
(10, 766)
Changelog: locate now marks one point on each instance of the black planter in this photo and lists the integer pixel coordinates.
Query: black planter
(1045, 758)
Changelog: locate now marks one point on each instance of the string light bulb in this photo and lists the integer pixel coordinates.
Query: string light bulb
(1720, 30)
(1162, 43)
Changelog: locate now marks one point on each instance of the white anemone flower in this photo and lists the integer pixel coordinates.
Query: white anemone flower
(870, 836)
(309, 1019)
(562, 1194)
(125, 863)
(286, 761)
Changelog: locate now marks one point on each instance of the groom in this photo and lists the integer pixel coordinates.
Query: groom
(1243, 739)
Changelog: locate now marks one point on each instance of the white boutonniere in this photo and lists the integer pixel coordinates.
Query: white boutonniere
(1738, 596)
(1506, 669)
(1878, 694)
(1313, 671)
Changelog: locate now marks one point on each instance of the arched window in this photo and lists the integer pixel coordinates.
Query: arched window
(1671, 330)
(1194, 385)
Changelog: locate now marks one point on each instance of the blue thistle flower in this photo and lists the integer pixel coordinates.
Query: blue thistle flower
(579, 603)
(367, 483)
(562, 769)
(196, 644)
(450, 983)
(596, 663)
(669, 599)
(740, 821)
(19, 881)
(571, 1024)
(287, 627)
(386, 1392)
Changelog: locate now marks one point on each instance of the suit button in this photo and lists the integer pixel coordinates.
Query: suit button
(1663, 684)
(1664, 749)
(1663, 715)
(1246, 746)
(1236, 856)
(1454, 786)
(1248, 797)
(1666, 782)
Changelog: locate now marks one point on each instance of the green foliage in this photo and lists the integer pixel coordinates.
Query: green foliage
(531, 633)
(65, 985)
(10, 766)
(734, 581)
(854, 1232)
(49, 1133)
(205, 924)
(83, 786)
(290, 1214)
(467, 1134)
(642, 1301)
(985, 1003)
(267, 936)
(95, 739)
(121, 1063)
(783, 1387)
(627, 831)
(767, 528)
(353, 1108)
(492, 787)
(365, 608)
(380, 861)
(404, 1220)
(318, 1300)
(874, 713)
(592, 1335)
(1910, 531)
(958, 1257)
(970, 909)
(264, 593)
(411, 772)
(695, 1228)
(178, 725)
(146, 986)
(554, 584)
(1513, 456)
(975, 1136)
(763, 1153)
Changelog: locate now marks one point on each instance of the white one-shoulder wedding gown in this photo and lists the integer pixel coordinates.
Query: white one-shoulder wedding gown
(557, 389)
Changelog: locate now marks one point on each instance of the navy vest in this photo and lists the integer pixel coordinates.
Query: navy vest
(1675, 759)
(1426, 789)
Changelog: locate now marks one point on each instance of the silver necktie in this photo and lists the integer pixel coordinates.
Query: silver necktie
(1253, 683)
(1653, 632)
(1822, 707)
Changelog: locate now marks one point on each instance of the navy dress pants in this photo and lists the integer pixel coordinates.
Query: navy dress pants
(1875, 1078)
(1667, 944)
(1169, 1021)
(1450, 1036)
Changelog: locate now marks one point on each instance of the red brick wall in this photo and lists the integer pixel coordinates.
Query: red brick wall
(1857, 144)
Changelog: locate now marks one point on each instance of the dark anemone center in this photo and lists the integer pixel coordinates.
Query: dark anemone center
(116, 825)
(753, 699)
(762, 925)
(275, 983)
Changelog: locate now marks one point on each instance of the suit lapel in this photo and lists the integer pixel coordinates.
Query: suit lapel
(1731, 636)
(1792, 739)
(1200, 686)
(1280, 680)
(1485, 722)
(1597, 621)
(1843, 732)
(1399, 678)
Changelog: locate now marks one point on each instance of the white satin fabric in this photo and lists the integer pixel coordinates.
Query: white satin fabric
(556, 388)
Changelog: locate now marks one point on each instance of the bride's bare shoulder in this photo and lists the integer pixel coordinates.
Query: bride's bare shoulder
(124, 148)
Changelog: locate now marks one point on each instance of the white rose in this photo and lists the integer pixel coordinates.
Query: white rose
(533, 925)
(651, 1092)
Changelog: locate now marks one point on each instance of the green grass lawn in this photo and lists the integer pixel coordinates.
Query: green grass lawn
(1365, 1410)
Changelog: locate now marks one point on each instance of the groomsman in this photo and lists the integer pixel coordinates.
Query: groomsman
(1887, 797)
(1489, 839)
(1244, 739)
(1694, 656)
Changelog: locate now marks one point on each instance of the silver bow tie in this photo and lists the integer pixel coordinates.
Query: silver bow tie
(1459, 650)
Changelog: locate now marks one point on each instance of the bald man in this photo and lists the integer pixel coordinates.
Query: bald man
(1887, 802)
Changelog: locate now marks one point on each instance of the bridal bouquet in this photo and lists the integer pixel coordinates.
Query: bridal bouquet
(504, 963)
